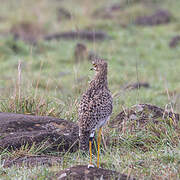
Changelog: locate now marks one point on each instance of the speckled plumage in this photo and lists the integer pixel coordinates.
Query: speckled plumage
(95, 106)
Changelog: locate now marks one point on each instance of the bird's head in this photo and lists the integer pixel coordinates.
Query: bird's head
(99, 65)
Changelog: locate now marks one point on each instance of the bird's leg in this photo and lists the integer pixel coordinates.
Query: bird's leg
(99, 141)
(90, 149)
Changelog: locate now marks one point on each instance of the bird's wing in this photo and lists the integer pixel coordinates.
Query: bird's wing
(95, 109)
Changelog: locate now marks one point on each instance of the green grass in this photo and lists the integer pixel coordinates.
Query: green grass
(48, 81)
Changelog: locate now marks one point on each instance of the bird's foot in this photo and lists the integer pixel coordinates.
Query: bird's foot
(90, 165)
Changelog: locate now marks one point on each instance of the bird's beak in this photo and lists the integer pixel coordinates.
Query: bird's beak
(91, 69)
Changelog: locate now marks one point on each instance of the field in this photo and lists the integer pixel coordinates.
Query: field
(45, 75)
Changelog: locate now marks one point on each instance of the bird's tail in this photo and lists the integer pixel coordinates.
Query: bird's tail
(84, 140)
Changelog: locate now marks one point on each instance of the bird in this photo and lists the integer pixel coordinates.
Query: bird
(95, 107)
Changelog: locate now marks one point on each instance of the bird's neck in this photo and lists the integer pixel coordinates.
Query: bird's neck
(100, 80)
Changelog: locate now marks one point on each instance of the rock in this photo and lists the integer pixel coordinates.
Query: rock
(80, 52)
(74, 35)
(174, 41)
(63, 14)
(82, 172)
(32, 160)
(107, 12)
(144, 126)
(19, 129)
(137, 85)
(159, 17)
(142, 113)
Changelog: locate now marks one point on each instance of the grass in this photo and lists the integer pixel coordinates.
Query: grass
(48, 82)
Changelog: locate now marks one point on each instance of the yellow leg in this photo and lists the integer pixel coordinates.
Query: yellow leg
(90, 151)
(99, 141)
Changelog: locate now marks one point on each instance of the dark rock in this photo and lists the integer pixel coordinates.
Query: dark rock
(32, 160)
(159, 17)
(143, 113)
(63, 14)
(80, 52)
(74, 35)
(145, 126)
(19, 129)
(83, 172)
(137, 85)
(116, 7)
(174, 42)
(107, 12)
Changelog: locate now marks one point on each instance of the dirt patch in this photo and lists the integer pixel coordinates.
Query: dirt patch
(28, 32)
(158, 17)
(80, 52)
(142, 114)
(74, 35)
(137, 85)
(107, 12)
(174, 42)
(144, 126)
(83, 172)
(18, 129)
(63, 14)
(30, 161)
(12, 122)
